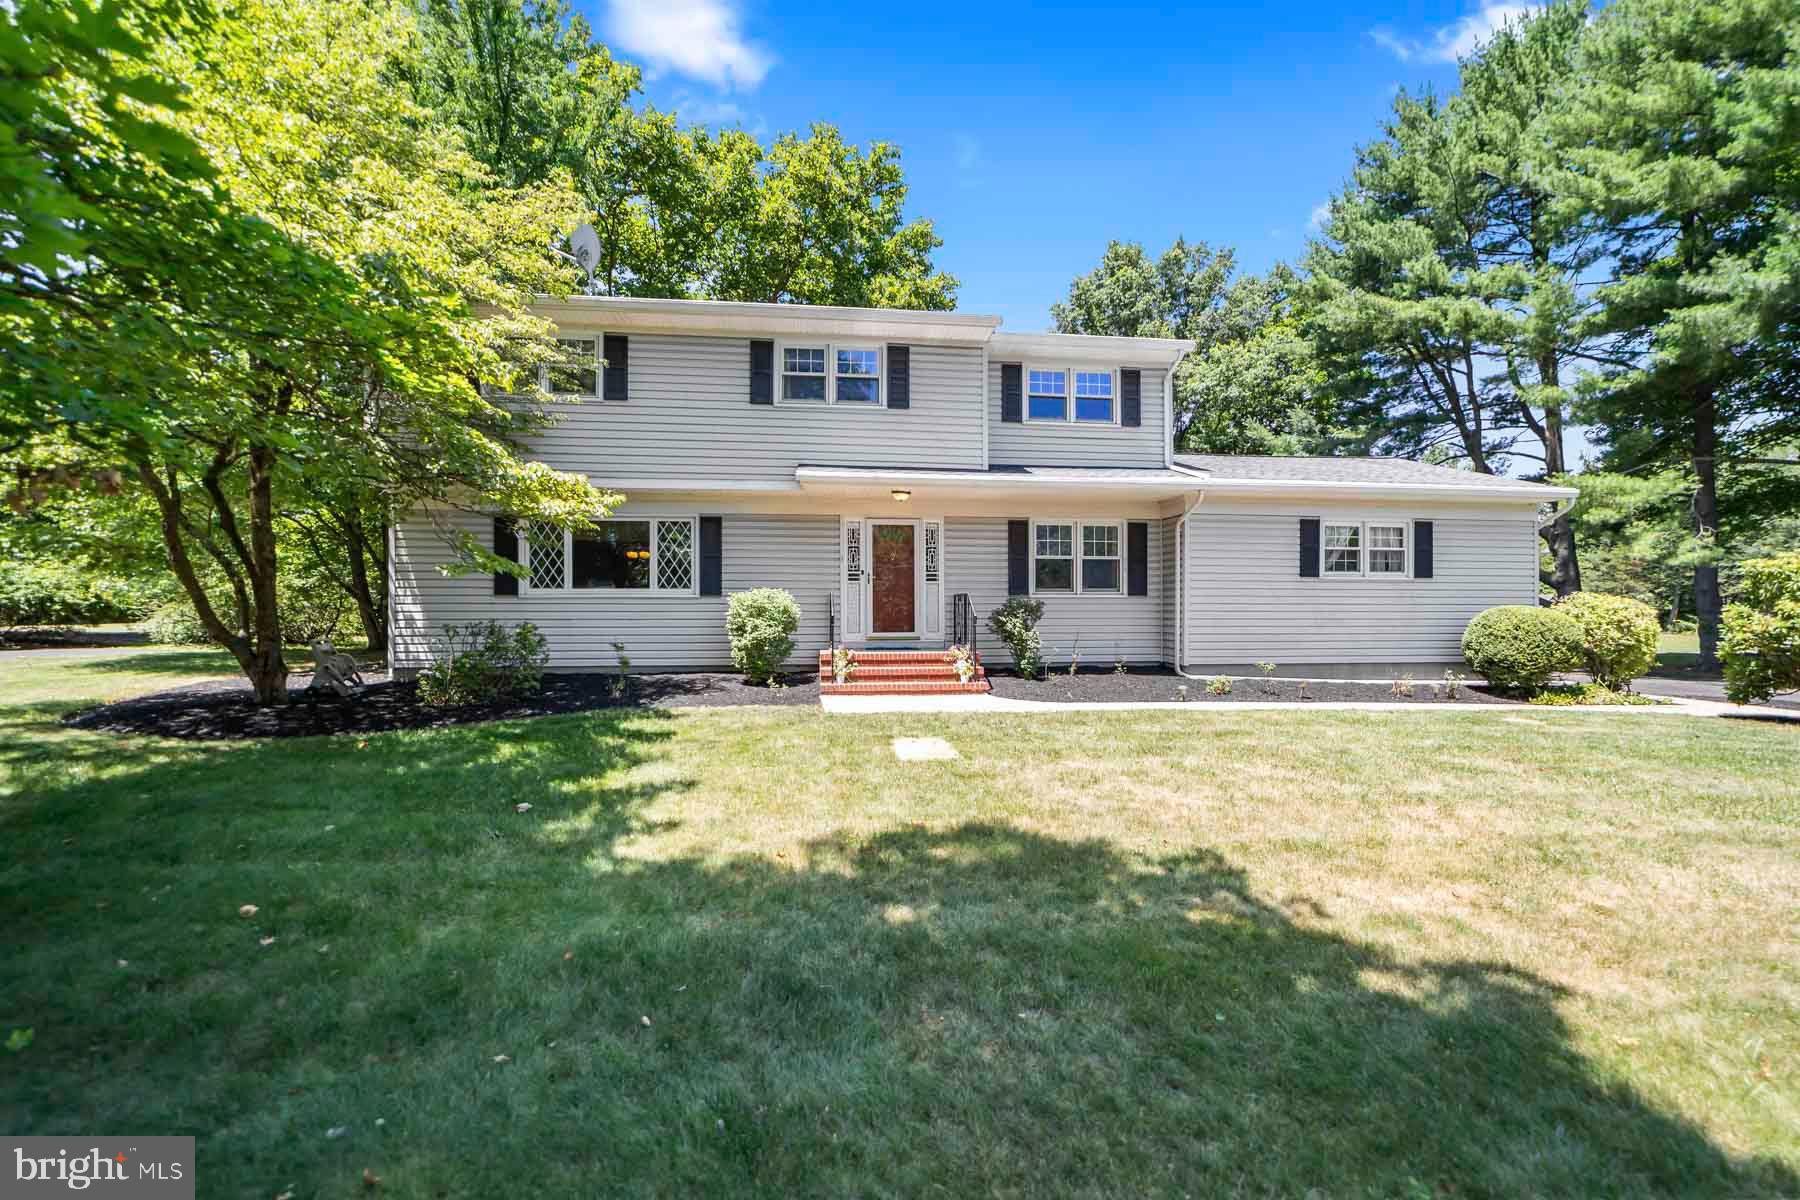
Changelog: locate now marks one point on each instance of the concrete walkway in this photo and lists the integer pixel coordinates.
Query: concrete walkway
(845, 705)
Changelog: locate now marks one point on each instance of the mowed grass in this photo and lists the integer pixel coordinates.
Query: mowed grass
(747, 953)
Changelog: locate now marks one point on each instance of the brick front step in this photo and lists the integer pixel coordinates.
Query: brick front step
(866, 672)
(905, 687)
(900, 673)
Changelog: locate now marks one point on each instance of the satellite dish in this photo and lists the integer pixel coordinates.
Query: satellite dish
(586, 245)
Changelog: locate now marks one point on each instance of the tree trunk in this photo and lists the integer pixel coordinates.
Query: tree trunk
(1559, 535)
(266, 668)
(370, 611)
(1707, 600)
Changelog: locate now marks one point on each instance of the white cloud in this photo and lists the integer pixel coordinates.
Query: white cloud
(1457, 40)
(1321, 213)
(701, 39)
(707, 110)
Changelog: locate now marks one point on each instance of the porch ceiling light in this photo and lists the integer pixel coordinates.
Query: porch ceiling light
(900, 494)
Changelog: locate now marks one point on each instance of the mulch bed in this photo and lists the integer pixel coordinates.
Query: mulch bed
(215, 711)
(1145, 684)
(57, 637)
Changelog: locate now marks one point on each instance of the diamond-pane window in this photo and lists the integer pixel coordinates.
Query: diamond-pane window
(548, 563)
(675, 555)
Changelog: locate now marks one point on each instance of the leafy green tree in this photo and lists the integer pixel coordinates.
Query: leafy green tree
(679, 211)
(1685, 139)
(347, 358)
(1252, 384)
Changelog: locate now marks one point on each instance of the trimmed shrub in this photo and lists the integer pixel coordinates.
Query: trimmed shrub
(1761, 647)
(761, 624)
(1518, 647)
(1015, 624)
(1618, 636)
(483, 662)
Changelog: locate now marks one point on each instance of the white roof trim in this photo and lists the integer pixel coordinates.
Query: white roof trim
(630, 314)
(1051, 347)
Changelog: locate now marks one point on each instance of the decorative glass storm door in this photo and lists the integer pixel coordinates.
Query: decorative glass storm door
(893, 560)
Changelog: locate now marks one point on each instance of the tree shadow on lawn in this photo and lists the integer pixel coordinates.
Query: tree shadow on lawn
(532, 1006)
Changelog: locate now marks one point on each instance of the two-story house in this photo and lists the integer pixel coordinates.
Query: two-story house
(878, 464)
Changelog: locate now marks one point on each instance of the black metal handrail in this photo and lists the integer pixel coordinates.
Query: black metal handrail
(962, 624)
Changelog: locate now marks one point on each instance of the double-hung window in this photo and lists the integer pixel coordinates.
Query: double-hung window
(1094, 396)
(1047, 395)
(1077, 557)
(1053, 558)
(653, 555)
(575, 371)
(1343, 549)
(831, 374)
(1072, 395)
(1366, 549)
(1387, 549)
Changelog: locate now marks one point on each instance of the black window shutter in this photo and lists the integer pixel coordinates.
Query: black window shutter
(1309, 547)
(614, 383)
(762, 372)
(712, 556)
(899, 376)
(1422, 550)
(1012, 392)
(506, 545)
(1137, 558)
(1018, 558)
(1131, 397)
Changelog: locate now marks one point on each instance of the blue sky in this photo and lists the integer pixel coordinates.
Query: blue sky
(1032, 135)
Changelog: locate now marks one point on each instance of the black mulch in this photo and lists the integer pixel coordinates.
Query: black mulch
(1160, 684)
(214, 711)
(57, 637)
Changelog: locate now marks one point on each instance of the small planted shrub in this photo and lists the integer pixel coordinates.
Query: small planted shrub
(1015, 624)
(1219, 685)
(1402, 688)
(1618, 636)
(761, 624)
(484, 662)
(1761, 647)
(1518, 647)
(177, 624)
(1564, 695)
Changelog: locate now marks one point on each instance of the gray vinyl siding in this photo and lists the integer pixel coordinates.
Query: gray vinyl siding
(1071, 444)
(1247, 603)
(1109, 626)
(799, 553)
(689, 417)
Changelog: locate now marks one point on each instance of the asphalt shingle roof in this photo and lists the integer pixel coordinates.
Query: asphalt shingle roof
(1333, 470)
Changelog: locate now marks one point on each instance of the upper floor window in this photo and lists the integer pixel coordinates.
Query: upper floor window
(1071, 395)
(575, 371)
(828, 374)
(1047, 395)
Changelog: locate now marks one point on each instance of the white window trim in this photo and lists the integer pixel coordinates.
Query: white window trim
(1364, 548)
(1076, 556)
(692, 520)
(1081, 554)
(831, 376)
(599, 340)
(1068, 418)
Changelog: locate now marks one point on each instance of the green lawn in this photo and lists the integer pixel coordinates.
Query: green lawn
(736, 952)
(1678, 654)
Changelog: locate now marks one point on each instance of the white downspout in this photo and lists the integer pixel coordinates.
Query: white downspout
(1182, 555)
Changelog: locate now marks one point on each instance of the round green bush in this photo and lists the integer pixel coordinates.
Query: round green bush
(1762, 630)
(1518, 647)
(1618, 636)
(761, 624)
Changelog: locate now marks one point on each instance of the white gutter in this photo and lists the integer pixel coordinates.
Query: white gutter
(1558, 510)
